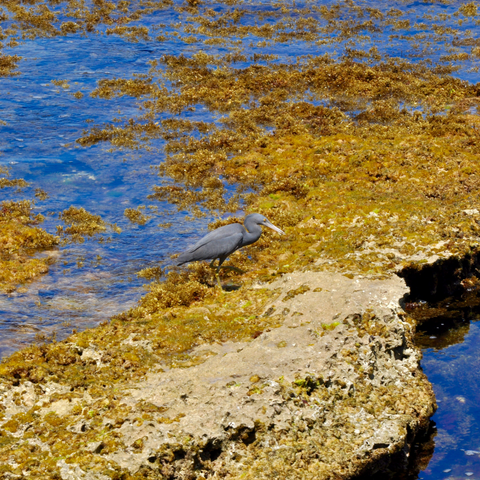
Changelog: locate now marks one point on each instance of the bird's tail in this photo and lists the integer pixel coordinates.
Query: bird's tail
(181, 259)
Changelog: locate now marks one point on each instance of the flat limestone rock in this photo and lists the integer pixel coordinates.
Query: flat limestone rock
(334, 392)
(335, 387)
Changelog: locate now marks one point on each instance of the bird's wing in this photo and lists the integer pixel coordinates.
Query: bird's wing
(217, 235)
(220, 247)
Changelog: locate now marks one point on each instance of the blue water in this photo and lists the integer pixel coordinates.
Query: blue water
(454, 371)
(38, 144)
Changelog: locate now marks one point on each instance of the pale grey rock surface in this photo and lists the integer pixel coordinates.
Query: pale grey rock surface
(334, 392)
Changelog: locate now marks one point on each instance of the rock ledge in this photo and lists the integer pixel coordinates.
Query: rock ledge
(335, 392)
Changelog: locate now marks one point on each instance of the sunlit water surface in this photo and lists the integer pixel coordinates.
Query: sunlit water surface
(454, 371)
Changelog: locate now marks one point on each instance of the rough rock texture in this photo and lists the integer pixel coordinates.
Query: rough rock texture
(335, 392)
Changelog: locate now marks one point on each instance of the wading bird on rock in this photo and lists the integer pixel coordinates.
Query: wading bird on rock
(223, 241)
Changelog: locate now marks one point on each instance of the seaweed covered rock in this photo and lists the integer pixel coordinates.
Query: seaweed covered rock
(20, 237)
(334, 392)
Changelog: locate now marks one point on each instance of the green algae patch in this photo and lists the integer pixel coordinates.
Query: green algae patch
(330, 326)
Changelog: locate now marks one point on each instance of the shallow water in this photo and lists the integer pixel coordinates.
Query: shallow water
(454, 370)
(38, 143)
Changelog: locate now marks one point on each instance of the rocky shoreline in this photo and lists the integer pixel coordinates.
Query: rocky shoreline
(336, 391)
(368, 162)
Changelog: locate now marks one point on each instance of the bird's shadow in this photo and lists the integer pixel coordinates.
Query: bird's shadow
(230, 287)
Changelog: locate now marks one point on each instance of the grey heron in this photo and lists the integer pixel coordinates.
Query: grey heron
(225, 240)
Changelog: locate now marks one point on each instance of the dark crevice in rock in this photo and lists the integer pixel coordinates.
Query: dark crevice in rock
(408, 462)
(248, 437)
(444, 278)
(445, 322)
(211, 452)
(179, 454)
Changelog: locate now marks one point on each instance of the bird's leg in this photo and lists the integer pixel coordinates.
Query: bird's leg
(218, 280)
(217, 269)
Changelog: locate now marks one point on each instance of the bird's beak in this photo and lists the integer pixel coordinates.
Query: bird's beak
(273, 227)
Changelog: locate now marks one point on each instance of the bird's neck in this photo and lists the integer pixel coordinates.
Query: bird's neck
(252, 237)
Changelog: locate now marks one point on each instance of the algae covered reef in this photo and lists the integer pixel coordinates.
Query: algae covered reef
(368, 158)
(19, 238)
(367, 151)
(369, 163)
(22, 237)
